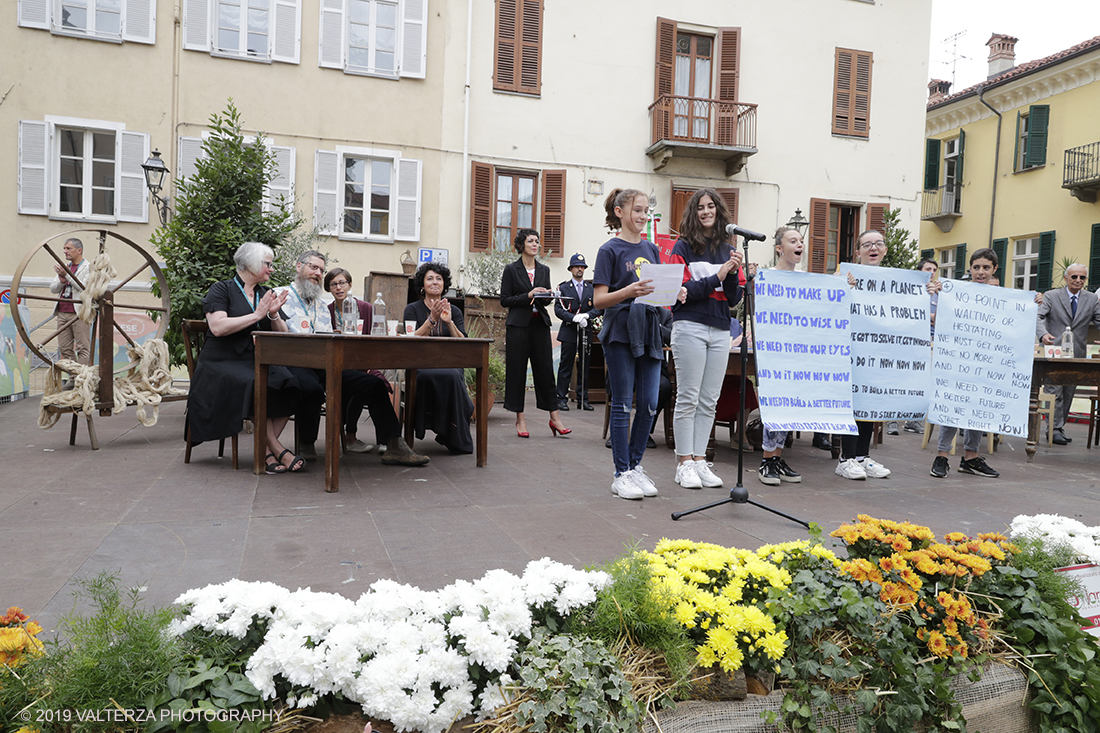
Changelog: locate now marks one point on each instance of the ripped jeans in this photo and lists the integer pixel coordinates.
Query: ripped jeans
(630, 380)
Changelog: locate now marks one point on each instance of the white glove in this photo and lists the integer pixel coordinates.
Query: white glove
(581, 319)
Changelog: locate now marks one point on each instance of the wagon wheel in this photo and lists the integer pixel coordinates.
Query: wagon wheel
(106, 302)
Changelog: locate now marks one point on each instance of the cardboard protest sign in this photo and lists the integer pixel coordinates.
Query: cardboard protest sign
(803, 347)
(891, 342)
(981, 361)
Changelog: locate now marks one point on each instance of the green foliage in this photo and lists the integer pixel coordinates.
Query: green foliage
(574, 684)
(485, 270)
(632, 606)
(1044, 556)
(1060, 658)
(216, 210)
(211, 678)
(902, 249)
(114, 658)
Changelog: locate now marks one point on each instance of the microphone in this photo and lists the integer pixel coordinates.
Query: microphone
(734, 230)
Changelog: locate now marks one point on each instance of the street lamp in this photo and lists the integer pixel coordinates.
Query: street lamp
(799, 222)
(155, 173)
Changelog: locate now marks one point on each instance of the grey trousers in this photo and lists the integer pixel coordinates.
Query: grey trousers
(972, 439)
(1063, 398)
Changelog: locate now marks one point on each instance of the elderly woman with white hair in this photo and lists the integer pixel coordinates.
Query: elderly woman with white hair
(221, 393)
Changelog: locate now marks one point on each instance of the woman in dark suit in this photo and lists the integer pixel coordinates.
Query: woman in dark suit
(528, 334)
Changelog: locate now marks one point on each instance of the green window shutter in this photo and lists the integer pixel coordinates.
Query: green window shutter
(960, 260)
(1094, 257)
(928, 254)
(1046, 262)
(931, 164)
(959, 165)
(1000, 247)
(1037, 121)
(1016, 149)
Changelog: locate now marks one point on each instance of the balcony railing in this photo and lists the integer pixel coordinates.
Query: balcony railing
(942, 205)
(1081, 173)
(703, 128)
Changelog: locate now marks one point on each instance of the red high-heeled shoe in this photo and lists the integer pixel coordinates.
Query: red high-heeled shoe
(524, 434)
(563, 431)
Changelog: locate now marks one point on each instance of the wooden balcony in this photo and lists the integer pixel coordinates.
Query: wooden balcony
(1081, 173)
(942, 205)
(690, 127)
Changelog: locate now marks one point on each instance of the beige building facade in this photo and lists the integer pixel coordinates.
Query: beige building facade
(408, 124)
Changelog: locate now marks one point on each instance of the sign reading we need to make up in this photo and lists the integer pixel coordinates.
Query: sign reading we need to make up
(803, 352)
(982, 358)
(891, 339)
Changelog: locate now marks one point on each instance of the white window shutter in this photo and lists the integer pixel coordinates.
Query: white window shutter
(408, 199)
(196, 25)
(190, 150)
(131, 199)
(331, 51)
(33, 144)
(139, 21)
(280, 192)
(34, 14)
(414, 39)
(287, 32)
(326, 189)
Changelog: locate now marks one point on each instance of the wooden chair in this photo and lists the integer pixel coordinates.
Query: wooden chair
(1094, 402)
(194, 334)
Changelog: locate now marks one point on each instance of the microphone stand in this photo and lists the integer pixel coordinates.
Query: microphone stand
(739, 494)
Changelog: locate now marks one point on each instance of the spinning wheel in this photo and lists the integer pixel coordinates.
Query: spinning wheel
(108, 313)
(108, 310)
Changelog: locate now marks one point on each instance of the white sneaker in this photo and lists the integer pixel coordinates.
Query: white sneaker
(706, 476)
(874, 470)
(624, 486)
(644, 482)
(852, 469)
(687, 477)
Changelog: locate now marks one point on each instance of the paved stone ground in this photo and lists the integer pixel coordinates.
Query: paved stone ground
(134, 507)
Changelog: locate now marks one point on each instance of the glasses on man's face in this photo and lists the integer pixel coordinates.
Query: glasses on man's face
(873, 245)
(339, 284)
(1078, 277)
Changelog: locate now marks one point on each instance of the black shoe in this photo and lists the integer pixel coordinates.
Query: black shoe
(586, 406)
(978, 467)
(786, 473)
(939, 467)
(821, 442)
(607, 443)
(1059, 438)
(563, 406)
(769, 472)
(650, 442)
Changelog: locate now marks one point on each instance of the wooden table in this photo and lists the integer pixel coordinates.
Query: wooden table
(336, 352)
(1056, 372)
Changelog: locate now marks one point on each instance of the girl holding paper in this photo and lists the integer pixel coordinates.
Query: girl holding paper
(700, 330)
(631, 337)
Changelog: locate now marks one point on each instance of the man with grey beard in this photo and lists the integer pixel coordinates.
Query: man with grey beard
(307, 311)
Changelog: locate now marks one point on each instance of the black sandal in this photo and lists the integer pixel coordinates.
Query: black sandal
(296, 465)
(274, 466)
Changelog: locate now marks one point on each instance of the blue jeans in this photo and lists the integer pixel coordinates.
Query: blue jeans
(630, 380)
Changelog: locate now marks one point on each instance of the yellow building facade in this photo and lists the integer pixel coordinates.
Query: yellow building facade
(1013, 163)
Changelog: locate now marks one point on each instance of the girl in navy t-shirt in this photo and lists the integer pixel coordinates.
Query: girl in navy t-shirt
(631, 338)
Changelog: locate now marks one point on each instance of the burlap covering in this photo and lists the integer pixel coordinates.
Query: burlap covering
(993, 704)
(712, 683)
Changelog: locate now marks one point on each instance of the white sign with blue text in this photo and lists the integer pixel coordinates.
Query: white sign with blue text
(981, 358)
(803, 346)
(891, 342)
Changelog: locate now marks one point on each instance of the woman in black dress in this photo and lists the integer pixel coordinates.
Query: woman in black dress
(528, 334)
(442, 403)
(221, 393)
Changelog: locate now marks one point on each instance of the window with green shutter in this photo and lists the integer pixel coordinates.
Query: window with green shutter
(960, 260)
(1046, 261)
(1000, 248)
(1031, 137)
(931, 164)
(1094, 257)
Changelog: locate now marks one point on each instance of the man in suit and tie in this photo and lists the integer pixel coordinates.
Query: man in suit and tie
(575, 311)
(1075, 307)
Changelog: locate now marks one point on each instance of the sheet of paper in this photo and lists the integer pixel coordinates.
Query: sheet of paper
(667, 281)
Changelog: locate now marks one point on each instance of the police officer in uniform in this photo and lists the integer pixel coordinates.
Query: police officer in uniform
(575, 311)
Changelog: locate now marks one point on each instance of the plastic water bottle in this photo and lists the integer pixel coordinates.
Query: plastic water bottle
(378, 319)
(349, 312)
(1067, 344)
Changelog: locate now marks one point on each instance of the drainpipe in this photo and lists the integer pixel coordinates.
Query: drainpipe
(465, 218)
(996, 165)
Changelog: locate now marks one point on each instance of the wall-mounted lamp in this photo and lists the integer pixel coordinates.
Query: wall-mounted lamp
(799, 222)
(155, 173)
